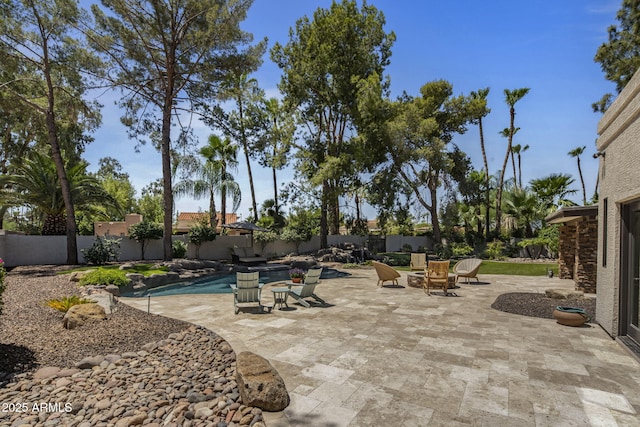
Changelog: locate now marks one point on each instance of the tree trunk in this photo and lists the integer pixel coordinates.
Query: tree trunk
(512, 114)
(223, 202)
(487, 182)
(324, 229)
(72, 245)
(435, 224)
(584, 190)
(334, 211)
(166, 178)
(513, 165)
(213, 215)
(276, 207)
(245, 147)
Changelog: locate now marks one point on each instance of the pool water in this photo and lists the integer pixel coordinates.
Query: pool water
(220, 284)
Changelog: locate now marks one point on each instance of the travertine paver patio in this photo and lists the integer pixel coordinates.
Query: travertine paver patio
(397, 357)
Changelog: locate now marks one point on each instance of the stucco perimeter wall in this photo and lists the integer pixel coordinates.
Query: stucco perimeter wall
(619, 141)
(18, 249)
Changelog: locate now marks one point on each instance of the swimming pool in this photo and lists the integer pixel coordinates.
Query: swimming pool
(219, 284)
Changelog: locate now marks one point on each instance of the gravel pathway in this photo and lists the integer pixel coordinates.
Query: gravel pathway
(130, 369)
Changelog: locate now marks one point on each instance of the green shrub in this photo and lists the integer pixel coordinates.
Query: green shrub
(102, 251)
(407, 248)
(65, 303)
(143, 232)
(396, 258)
(105, 277)
(461, 250)
(179, 248)
(495, 250)
(3, 274)
(349, 265)
(199, 234)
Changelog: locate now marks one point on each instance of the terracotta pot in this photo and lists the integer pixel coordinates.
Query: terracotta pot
(569, 318)
(297, 280)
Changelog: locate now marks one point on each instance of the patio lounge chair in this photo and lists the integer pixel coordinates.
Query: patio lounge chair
(436, 275)
(307, 289)
(247, 290)
(467, 268)
(246, 256)
(418, 261)
(313, 276)
(385, 273)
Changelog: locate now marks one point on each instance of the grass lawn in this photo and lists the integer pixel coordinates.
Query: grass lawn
(144, 269)
(518, 268)
(509, 268)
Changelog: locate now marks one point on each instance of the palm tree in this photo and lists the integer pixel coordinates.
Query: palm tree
(212, 179)
(524, 207)
(480, 98)
(224, 155)
(35, 183)
(553, 190)
(518, 150)
(511, 98)
(577, 152)
(510, 133)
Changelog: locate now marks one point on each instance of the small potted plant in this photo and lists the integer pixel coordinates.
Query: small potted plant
(296, 275)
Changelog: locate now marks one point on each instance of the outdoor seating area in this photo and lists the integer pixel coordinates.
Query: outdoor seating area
(455, 361)
(246, 256)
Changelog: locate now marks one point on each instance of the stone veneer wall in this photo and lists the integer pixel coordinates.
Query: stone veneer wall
(578, 253)
(567, 250)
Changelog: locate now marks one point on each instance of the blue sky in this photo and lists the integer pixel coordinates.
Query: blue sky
(502, 44)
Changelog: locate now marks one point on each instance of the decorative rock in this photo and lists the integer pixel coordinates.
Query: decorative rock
(90, 362)
(104, 300)
(77, 275)
(151, 388)
(563, 294)
(259, 383)
(79, 314)
(46, 372)
(113, 290)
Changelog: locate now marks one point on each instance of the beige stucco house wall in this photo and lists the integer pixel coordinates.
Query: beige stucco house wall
(116, 228)
(618, 147)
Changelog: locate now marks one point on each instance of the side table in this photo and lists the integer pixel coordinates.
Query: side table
(280, 296)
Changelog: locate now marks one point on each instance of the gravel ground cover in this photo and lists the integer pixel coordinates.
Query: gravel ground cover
(538, 305)
(33, 335)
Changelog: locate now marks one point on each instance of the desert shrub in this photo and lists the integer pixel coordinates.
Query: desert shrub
(105, 277)
(179, 248)
(102, 251)
(65, 303)
(3, 274)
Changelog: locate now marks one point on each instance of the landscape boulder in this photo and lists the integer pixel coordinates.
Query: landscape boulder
(79, 314)
(259, 383)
